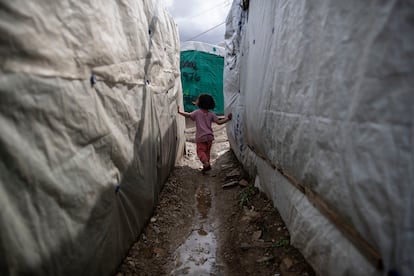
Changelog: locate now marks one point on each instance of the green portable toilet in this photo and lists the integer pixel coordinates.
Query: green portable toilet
(201, 68)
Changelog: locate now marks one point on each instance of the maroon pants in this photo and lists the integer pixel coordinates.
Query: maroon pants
(203, 151)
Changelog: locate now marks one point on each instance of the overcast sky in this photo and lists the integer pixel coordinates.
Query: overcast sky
(194, 17)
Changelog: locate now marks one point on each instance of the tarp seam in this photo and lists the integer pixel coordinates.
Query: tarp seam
(371, 253)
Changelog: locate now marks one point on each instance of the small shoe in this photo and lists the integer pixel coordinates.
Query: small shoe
(203, 170)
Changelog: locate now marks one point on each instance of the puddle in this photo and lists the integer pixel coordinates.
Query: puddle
(197, 255)
(203, 198)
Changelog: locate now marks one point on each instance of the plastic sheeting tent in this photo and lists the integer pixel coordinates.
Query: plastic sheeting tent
(201, 67)
(81, 166)
(322, 100)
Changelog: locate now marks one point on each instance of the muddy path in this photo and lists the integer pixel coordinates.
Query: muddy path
(213, 224)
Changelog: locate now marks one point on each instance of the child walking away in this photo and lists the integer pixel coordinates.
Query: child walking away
(204, 133)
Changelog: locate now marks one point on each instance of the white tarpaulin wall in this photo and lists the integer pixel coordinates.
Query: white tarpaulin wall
(81, 167)
(322, 99)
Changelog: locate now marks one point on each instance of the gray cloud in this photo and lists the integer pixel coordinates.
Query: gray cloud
(194, 17)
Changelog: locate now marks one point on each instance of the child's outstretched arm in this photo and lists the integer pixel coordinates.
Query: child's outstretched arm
(224, 120)
(185, 114)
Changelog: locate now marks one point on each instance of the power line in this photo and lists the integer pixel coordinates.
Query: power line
(200, 34)
(225, 3)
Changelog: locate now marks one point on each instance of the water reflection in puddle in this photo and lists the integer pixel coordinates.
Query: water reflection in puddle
(197, 256)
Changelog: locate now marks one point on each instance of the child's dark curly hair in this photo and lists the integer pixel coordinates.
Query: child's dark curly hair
(205, 101)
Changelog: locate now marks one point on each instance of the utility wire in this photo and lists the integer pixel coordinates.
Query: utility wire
(200, 34)
(225, 3)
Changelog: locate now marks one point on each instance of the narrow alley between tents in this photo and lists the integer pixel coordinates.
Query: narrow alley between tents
(216, 223)
(312, 173)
